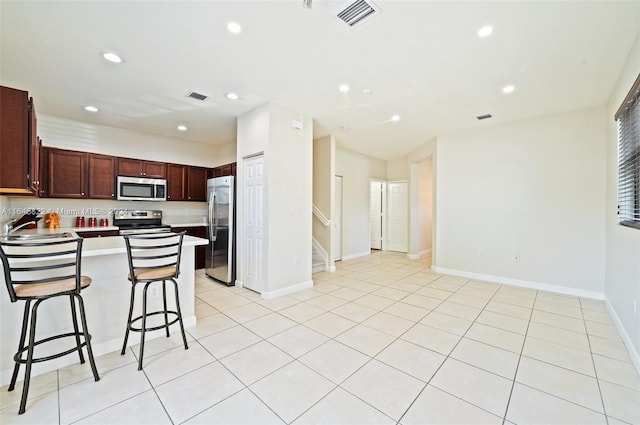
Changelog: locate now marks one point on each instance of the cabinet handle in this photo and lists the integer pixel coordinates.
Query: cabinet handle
(82, 193)
(112, 195)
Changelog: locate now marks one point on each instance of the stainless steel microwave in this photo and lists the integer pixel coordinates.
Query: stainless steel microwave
(141, 189)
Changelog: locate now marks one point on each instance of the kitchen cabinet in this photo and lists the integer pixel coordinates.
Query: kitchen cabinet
(186, 183)
(66, 173)
(196, 184)
(223, 170)
(18, 143)
(176, 182)
(97, 233)
(201, 250)
(102, 176)
(140, 168)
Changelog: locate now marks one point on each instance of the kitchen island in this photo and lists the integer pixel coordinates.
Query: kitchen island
(106, 303)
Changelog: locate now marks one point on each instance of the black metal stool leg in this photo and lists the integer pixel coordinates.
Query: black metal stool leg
(184, 337)
(143, 328)
(27, 372)
(87, 338)
(74, 318)
(23, 336)
(164, 303)
(126, 332)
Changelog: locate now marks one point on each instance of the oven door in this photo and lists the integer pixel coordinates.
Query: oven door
(140, 189)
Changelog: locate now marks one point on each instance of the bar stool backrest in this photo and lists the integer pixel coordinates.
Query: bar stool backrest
(153, 251)
(29, 263)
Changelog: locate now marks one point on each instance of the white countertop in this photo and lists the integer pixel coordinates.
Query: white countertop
(106, 245)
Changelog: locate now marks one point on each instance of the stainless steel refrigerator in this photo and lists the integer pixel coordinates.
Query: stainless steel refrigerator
(221, 256)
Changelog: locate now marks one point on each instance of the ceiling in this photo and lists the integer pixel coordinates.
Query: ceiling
(422, 60)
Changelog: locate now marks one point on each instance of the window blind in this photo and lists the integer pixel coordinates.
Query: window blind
(628, 117)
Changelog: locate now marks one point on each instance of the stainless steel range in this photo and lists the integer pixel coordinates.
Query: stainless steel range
(132, 222)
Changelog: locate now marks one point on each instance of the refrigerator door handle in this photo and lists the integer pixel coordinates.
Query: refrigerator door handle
(212, 219)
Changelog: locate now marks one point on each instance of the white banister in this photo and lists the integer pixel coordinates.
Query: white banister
(323, 219)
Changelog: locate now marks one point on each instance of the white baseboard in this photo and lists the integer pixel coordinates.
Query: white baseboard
(267, 295)
(524, 283)
(332, 268)
(99, 349)
(420, 254)
(239, 283)
(633, 352)
(357, 255)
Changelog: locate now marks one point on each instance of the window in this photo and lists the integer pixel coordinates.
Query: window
(628, 117)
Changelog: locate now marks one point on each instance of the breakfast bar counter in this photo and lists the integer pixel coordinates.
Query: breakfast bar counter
(104, 260)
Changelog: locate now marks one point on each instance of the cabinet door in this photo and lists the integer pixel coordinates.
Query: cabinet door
(67, 174)
(156, 170)
(197, 184)
(176, 182)
(201, 250)
(14, 141)
(129, 167)
(102, 180)
(34, 150)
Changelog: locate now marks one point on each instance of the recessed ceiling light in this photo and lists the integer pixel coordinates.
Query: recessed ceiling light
(367, 91)
(485, 31)
(345, 128)
(91, 108)
(508, 89)
(343, 88)
(234, 27)
(112, 57)
(395, 118)
(232, 96)
(182, 127)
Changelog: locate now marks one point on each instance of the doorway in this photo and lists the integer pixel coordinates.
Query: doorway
(337, 219)
(377, 214)
(254, 213)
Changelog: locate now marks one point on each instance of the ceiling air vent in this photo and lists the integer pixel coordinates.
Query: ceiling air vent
(357, 11)
(197, 96)
(484, 117)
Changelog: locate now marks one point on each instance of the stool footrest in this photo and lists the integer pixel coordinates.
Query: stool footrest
(174, 319)
(18, 356)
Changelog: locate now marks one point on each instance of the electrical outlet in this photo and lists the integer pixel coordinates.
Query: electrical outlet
(635, 306)
(154, 292)
(516, 258)
(295, 260)
(480, 252)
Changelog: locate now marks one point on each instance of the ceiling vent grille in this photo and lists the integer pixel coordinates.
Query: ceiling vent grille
(484, 117)
(197, 96)
(355, 12)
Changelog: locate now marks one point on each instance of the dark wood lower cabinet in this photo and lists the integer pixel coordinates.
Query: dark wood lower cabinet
(201, 250)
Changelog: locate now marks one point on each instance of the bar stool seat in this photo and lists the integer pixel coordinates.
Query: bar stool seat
(36, 272)
(153, 258)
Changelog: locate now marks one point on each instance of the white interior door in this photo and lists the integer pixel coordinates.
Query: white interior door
(398, 216)
(254, 212)
(375, 220)
(337, 219)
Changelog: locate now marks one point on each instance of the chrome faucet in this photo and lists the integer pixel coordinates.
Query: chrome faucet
(9, 227)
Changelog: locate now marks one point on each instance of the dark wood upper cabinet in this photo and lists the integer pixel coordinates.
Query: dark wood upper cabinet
(18, 142)
(102, 176)
(66, 174)
(176, 182)
(222, 170)
(140, 168)
(197, 184)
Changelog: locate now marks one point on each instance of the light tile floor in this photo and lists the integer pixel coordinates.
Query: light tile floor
(382, 340)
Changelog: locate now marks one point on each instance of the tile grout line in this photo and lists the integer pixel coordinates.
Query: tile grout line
(515, 375)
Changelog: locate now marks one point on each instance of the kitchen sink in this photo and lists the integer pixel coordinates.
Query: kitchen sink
(39, 236)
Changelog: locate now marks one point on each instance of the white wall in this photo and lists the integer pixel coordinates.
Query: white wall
(356, 170)
(533, 189)
(398, 170)
(288, 179)
(69, 134)
(623, 244)
(425, 205)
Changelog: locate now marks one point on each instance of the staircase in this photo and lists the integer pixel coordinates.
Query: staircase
(317, 262)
